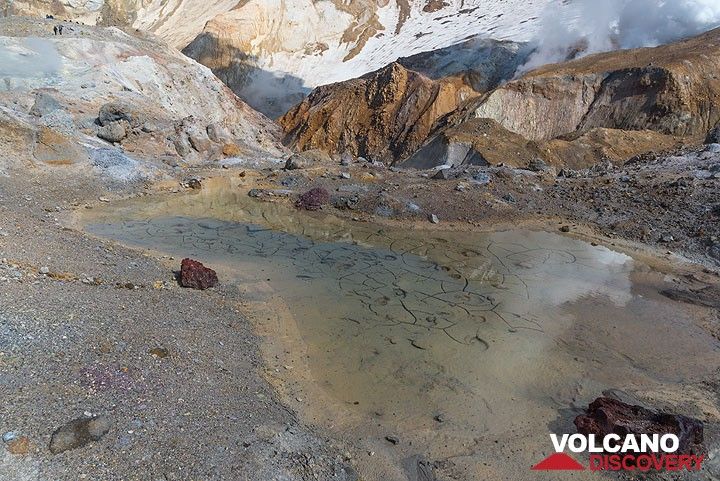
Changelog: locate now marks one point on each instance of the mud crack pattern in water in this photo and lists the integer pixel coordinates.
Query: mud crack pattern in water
(422, 286)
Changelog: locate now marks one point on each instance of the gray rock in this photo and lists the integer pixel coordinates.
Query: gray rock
(149, 127)
(308, 158)
(217, 133)
(116, 111)
(199, 142)
(713, 137)
(538, 165)
(384, 211)
(412, 207)
(344, 175)
(442, 174)
(434, 219)
(182, 146)
(509, 198)
(296, 161)
(713, 148)
(262, 193)
(44, 104)
(113, 131)
(114, 163)
(392, 439)
(346, 159)
(78, 433)
(481, 178)
(714, 252)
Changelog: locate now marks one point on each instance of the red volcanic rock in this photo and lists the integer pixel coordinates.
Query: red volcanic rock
(607, 416)
(196, 276)
(313, 199)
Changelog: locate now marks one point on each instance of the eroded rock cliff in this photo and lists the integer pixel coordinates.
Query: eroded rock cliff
(273, 52)
(382, 116)
(386, 115)
(610, 106)
(128, 106)
(672, 89)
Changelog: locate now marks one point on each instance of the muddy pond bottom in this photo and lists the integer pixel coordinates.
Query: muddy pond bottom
(465, 349)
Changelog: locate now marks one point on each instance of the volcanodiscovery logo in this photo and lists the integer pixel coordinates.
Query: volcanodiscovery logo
(644, 453)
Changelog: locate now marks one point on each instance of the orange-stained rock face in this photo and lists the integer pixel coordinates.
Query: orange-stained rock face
(610, 106)
(384, 116)
(672, 89)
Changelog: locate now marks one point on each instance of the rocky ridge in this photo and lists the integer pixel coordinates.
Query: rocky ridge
(382, 116)
(610, 106)
(672, 89)
(386, 115)
(125, 106)
(272, 53)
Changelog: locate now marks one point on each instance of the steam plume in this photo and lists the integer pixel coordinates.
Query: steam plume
(582, 27)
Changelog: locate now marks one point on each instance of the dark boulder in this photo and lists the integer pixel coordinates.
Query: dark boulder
(113, 131)
(442, 174)
(194, 275)
(117, 111)
(607, 416)
(313, 199)
(713, 137)
(79, 432)
(295, 162)
(538, 165)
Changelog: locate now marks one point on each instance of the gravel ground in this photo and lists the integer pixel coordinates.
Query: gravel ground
(88, 329)
(668, 202)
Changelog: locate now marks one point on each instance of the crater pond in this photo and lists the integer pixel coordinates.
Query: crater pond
(466, 348)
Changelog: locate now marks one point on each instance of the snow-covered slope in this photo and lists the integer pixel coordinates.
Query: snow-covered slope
(272, 52)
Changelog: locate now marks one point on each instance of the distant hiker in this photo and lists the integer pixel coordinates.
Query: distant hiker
(60, 29)
(55, 29)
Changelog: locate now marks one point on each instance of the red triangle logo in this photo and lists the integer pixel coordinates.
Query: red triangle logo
(558, 462)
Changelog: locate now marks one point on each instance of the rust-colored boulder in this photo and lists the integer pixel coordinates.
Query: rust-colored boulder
(231, 150)
(313, 199)
(607, 416)
(194, 275)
